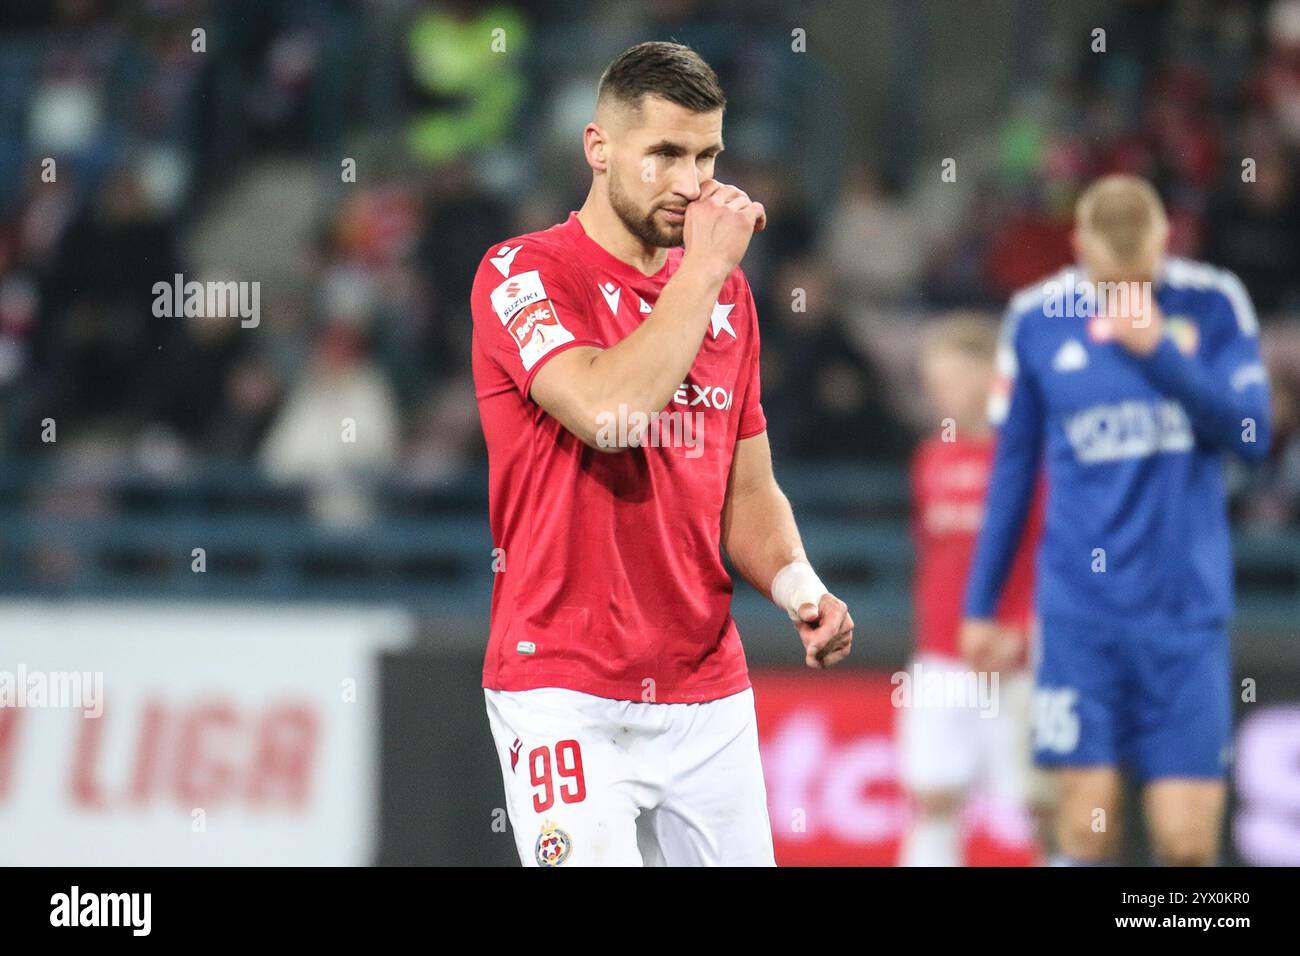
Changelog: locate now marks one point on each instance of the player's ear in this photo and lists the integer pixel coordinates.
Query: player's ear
(595, 144)
(1087, 252)
(1159, 238)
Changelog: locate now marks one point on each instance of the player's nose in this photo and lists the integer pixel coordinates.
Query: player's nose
(686, 183)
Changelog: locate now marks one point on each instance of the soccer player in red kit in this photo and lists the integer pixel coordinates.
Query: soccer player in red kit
(950, 744)
(616, 366)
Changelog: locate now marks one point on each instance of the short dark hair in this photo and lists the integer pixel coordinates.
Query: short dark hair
(670, 70)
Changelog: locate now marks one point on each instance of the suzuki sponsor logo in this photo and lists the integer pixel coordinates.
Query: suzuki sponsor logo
(513, 294)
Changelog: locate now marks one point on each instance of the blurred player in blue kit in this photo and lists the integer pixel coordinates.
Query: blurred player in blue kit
(1126, 377)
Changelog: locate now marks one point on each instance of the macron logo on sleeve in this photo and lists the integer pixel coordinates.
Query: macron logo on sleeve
(611, 293)
(504, 257)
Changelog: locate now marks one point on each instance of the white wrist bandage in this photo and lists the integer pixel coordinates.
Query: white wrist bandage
(795, 585)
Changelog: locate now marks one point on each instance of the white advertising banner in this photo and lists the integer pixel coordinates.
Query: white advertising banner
(190, 734)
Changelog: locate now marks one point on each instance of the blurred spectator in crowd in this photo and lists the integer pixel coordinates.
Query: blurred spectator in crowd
(1278, 82)
(462, 218)
(250, 397)
(445, 435)
(19, 300)
(823, 397)
(875, 240)
(103, 332)
(791, 227)
(954, 267)
(367, 271)
(147, 133)
(296, 72)
(1272, 491)
(1252, 230)
(187, 377)
(338, 428)
(1030, 241)
(465, 78)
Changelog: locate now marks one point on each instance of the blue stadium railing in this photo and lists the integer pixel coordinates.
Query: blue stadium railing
(430, 548)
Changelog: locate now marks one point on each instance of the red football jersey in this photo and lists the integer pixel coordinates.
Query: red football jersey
(613, 582)
(949, 483)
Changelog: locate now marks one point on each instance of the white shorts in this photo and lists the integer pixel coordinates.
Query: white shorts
(596, 782)
(954, 748)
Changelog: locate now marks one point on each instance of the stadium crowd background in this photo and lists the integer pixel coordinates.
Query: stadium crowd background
(227, 165)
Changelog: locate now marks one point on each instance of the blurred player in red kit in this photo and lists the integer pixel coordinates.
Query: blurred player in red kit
(615, 361)
(971, 735)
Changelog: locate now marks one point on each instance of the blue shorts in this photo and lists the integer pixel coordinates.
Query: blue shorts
(1157, 701)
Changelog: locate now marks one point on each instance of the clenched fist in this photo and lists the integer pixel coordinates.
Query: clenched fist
(826, 631)
(719, 225)
(988, 646)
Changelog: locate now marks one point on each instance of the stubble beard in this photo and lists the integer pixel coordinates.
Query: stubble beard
(641, 225)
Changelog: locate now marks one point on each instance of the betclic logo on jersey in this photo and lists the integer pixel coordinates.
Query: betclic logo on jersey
(537, 330)
(529, 316)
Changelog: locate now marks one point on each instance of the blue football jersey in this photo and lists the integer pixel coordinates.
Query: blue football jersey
(1136, 528)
